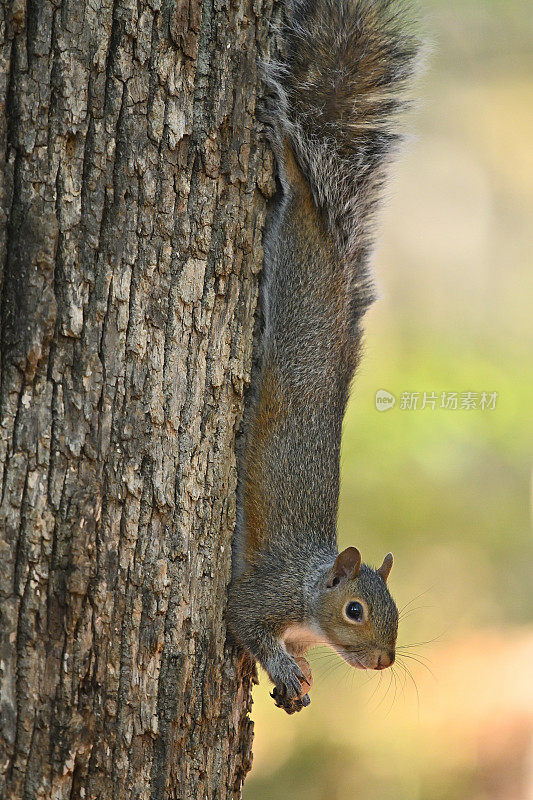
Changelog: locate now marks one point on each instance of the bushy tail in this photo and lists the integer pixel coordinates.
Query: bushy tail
(347, 64)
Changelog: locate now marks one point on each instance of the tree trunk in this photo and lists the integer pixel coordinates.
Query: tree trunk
(132, 204)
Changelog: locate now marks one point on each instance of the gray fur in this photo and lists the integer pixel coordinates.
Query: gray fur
(332, 113)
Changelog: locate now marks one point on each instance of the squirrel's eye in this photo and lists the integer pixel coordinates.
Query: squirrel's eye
(355, 611)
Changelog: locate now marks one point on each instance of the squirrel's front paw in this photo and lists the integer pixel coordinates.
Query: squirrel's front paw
(289, 705)
(291, 683)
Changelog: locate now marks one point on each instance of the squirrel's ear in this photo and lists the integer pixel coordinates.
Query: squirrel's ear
(347, 565)
(386, 567)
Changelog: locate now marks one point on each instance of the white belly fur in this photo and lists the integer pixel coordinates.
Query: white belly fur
(299, 638)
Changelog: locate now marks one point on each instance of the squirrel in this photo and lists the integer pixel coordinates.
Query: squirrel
(331, 110)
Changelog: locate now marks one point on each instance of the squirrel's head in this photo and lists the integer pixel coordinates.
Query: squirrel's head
(357, 613)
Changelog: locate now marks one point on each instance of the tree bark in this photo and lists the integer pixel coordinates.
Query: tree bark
(132, 198)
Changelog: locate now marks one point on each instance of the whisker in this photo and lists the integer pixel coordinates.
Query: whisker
(323, 656)
(418, 596)
(423, 644)
(422, 664)
(403, 681)
(393, 671)
(386, 693)
(404, 614)
(376, 688)
(408, 674)
(332, 668)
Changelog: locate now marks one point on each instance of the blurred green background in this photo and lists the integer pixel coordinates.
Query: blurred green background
(447, 490)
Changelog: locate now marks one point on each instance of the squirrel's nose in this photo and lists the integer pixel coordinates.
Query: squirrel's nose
(385, 660)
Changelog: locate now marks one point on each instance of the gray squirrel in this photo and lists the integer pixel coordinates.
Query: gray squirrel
(332, 119)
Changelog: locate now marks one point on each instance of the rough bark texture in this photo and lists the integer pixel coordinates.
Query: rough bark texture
(132, 201)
